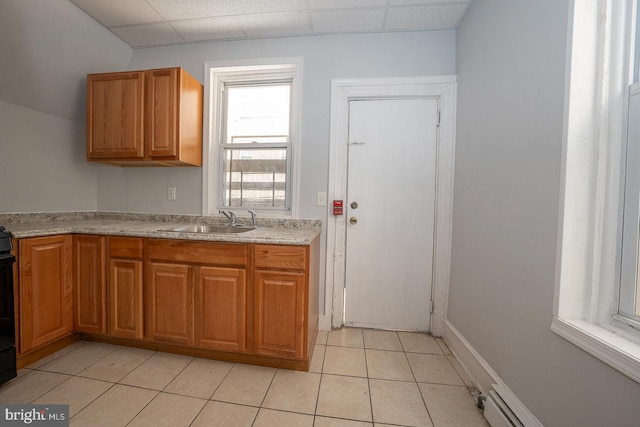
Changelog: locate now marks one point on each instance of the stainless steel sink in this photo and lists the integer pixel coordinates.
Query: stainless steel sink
(212, 229)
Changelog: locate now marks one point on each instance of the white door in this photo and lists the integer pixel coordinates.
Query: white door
(390, 211)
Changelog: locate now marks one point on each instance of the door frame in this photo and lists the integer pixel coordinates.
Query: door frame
(442, 88)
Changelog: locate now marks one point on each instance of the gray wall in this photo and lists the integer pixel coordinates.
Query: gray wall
(324, 58)
(510, 66)
(46, 49)
(43, 167)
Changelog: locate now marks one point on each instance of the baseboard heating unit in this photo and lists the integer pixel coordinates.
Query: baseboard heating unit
(497, 411)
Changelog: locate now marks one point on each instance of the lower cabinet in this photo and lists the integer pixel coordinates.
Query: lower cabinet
(90, 284)
(285, 309)
(221, 315)
(196, 294)
(46, 293)
(169, 303)
(279, 314)
(125, 287)
(255, 303)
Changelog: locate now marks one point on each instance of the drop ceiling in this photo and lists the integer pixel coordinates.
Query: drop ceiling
(146, 23)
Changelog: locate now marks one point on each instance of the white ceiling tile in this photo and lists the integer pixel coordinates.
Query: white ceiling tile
(119, 12)
(425, 17)
(177, 21)
(268, 6)
(223, 27)
(352, 20)
(424, 2)
(148, 35)
(173, 10)
(193, 9)
(341, 4)
(277, 24)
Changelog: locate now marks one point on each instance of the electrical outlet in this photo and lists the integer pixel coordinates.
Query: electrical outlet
(171, 193)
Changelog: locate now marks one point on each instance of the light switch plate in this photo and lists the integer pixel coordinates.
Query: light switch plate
(171, 193)
(321, 198)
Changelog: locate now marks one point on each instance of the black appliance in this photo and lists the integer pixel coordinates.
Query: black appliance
(8, 368)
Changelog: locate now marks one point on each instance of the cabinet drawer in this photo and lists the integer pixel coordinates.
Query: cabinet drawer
(202, 253)
(279, 256)
(125, 247)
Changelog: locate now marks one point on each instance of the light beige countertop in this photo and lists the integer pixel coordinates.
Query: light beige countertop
(271, 231)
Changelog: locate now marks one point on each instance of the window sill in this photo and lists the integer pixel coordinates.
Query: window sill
(609, 347)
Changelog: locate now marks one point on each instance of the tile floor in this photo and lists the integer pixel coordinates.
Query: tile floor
(358, 378)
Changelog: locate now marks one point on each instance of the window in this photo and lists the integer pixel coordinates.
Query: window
(629, 295)
(253, 122)
(596, 304)
(255, 145)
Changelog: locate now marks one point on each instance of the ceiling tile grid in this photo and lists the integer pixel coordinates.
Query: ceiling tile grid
(348, 20)
(145, 23)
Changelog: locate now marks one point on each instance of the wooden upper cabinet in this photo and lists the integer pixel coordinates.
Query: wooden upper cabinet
(151, 117)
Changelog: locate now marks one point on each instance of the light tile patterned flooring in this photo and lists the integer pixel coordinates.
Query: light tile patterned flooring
(358, 378)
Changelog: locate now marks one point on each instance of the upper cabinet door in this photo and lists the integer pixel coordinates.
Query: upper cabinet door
(161, 124)
(115, 116)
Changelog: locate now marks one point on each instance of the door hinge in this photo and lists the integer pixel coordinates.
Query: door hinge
(438, 120)
(431, 306)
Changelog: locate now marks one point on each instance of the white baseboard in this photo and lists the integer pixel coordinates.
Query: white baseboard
(483, 376)
(324, 322)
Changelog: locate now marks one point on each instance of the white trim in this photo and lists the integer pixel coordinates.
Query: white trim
(343, 91)
(483, 376)
(613, 349)
(228, 71)
(324, 322)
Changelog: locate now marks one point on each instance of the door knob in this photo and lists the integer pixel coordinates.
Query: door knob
(353, 220)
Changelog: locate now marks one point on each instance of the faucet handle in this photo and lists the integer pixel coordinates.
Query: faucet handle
(230, 216)
(253, 217)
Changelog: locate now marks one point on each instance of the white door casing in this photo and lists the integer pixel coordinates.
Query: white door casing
(391, 201)
(342, 92)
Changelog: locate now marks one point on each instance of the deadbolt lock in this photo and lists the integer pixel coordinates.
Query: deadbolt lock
(353, 220)
(354, 205)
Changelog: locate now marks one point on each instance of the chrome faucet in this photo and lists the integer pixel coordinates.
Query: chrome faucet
(230, 216)
(253, 218)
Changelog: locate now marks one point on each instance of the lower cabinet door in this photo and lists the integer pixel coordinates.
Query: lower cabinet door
(221, 296)
(125, 298)
(279, 321)
(89, 278)
(169, 305)
(46, 292)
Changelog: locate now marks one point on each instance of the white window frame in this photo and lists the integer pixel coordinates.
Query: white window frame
(590, 224)
(219, 73)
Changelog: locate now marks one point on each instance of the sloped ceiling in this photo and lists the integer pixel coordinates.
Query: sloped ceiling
(46, 49)
(146, 23)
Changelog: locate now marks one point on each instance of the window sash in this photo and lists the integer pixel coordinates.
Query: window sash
(635, 48)
(628, 304)
(225, 183)
(233, 179)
